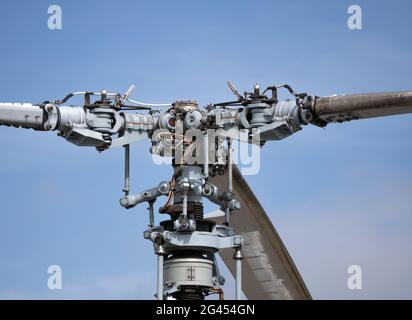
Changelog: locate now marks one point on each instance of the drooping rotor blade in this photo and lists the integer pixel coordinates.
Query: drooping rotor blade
(268, 272)
(361, 106)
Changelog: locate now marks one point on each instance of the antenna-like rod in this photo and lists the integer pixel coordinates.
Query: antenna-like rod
(128, 93)
(234, 90)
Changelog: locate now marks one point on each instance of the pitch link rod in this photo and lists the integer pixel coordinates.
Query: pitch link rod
(238, 257)
(126, 188)
(230, 180)
(160, 260)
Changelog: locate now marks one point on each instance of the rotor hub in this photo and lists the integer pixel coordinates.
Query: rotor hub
(185, 105)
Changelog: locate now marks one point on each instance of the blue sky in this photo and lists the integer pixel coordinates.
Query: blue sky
(338, 196)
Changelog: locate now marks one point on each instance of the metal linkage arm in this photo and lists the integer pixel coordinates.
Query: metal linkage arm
(223, 199)
(130, 201)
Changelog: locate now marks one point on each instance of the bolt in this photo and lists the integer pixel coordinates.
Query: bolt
(234, 204)
(207, 189)
(164, 187)
(237, 241)
(124, 201)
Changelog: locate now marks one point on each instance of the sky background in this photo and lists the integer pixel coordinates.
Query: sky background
(338, 196)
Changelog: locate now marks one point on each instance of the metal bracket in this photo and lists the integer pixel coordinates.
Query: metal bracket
(200, 239)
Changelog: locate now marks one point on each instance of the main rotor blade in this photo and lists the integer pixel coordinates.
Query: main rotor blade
(361, 106)
(268, 272)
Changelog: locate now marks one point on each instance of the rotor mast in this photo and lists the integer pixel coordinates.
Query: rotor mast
(186, 243)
